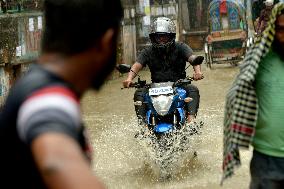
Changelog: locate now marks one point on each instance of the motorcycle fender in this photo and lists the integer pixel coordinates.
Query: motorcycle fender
(163, 127)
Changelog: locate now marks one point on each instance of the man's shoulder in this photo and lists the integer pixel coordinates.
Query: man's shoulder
(146, 50)
(182, 47)
(35, 79)
(180, 44)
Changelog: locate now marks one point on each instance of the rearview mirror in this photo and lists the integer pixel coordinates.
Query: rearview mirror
(123, 68)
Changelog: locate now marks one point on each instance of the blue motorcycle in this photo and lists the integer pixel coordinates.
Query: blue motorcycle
(165, 103)
(165, 127)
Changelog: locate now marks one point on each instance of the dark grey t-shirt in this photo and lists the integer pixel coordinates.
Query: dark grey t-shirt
(166, 66)
(39, 103)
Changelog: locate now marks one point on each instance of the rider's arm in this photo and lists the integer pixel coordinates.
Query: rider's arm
(132, 74)
(135, 69)
(142, 60)
(197, 68)
(197, 75)
(196, 61)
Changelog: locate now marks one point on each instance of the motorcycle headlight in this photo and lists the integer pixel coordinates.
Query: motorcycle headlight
(162, 104)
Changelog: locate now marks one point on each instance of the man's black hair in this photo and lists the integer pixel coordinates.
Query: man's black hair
(73, 26)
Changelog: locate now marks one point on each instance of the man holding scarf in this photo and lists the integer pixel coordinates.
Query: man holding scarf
(255, 108)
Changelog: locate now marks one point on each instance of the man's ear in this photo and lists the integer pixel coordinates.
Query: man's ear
(107, 41)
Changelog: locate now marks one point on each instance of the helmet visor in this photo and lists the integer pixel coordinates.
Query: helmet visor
(162, 38)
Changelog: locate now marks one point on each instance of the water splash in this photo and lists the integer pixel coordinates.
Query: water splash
(167, 152)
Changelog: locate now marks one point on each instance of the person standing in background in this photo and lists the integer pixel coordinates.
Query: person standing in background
(255, 108)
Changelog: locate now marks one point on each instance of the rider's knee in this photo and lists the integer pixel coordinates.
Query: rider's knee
(192, 88)
(139, 95)
(192, 91)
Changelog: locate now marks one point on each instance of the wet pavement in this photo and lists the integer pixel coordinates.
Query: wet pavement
(122, 163)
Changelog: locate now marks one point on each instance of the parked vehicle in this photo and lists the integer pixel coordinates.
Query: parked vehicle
(227, 38)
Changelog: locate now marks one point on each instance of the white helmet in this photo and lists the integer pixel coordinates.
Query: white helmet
(269, 2)
(162, 26)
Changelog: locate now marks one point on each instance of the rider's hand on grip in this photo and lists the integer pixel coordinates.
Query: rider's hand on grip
(198, 76)
(127, 83)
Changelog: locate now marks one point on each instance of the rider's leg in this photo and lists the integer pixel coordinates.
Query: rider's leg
(192, 107)
(140, 107)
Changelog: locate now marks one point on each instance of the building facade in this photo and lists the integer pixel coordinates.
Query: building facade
(20, 34)
(21, 30)
(193, 22)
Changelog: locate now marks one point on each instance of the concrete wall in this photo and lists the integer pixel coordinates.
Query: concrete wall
(20, 36)
(4, 83)
(129, 44)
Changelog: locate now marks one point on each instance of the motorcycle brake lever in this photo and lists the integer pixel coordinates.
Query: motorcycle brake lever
(192, 79)
(131, 86)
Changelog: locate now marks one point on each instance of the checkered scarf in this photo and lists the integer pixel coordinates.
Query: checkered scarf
(241, 103)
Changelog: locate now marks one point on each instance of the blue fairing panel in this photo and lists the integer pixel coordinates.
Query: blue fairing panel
(181, 92)
(163, 127)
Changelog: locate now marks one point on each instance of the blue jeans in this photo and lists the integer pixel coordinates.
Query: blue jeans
(267, 172)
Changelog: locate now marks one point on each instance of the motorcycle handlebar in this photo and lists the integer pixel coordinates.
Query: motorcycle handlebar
(139, 85)
(183, 81)
(143, 84)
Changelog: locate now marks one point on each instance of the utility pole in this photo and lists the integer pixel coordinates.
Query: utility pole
(179, 19)
(163, 7)
(133, 22)
(249, 19)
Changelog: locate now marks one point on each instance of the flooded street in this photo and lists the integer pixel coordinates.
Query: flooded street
(121, 163)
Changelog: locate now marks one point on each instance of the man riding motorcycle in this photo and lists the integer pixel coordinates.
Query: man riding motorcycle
(166, 60)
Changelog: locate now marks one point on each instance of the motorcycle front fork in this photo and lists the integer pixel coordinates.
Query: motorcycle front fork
(153, 119)
(175, 119)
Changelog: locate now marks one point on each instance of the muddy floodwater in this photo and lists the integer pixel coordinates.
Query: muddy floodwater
(122, 163)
